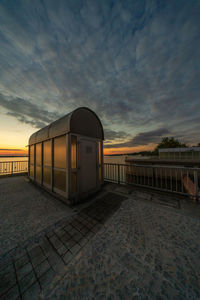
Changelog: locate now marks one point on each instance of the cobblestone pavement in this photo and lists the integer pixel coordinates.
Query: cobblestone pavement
(28, 272)
(127, 244)
(25, 210)
(146, 250)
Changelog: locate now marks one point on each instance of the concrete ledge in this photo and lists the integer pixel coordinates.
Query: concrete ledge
(14, 174)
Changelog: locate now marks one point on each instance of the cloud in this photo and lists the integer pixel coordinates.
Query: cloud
(133, 62)
(27, 112)
(112, 134)
(143, 138)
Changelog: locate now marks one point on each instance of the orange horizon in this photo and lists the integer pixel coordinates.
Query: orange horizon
(106, 151)
(126, 150)
(13, 151)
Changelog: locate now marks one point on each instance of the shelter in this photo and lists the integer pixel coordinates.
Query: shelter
(66, 157)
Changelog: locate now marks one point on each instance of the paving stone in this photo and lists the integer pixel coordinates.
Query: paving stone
(89, 235)
(62, 250)
(89, 225)
(77, 237)
(47, 278)
(84, 230)
(46, 246)
(27, 268)
(83, 242)
(27, 281)
(7, 280)
(21, 262)
(11, 294)
(7, 268)
(32, 292)
(35, 251)
(75, 249)
(68, 227)
(56, 242)
(60, 232)
(56, 262)
(19, 253)
(38, 259)
(65, 238)
(70, 243)
(42, 268)
(67, 257)
(95, 229)
(50, 233)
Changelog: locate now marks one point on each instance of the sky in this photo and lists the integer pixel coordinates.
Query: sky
(135, 63)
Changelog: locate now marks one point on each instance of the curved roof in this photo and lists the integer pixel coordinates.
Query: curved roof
(81, 121)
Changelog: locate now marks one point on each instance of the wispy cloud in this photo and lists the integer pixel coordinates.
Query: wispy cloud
(26, 112)
(143, 138)
(136, 63)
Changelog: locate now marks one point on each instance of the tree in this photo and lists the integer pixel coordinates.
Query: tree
(168, 143)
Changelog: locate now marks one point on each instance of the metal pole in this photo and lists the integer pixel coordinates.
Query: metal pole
(196, 185)
(118, 167)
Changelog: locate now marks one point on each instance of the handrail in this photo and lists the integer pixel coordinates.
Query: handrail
(180, 180)
(13, 167)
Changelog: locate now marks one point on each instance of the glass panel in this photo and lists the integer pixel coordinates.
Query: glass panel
(47, 175)
(38, 154)
(31, 155)
(73, 151)
(38, 173)
(99, 153)
(47, 153)
(60, 180)
(60, 152)
(31, 170)
(73, 182)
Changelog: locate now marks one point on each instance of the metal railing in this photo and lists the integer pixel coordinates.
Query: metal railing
(179, 180)
(12, 167)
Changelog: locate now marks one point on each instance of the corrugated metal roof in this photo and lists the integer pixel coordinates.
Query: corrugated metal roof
(81, 121)
(186, 149)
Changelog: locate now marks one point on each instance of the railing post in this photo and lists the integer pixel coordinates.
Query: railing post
(118, 169)
(12, 167)
(196, 185)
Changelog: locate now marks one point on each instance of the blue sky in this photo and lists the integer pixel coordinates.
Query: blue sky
(135, 63)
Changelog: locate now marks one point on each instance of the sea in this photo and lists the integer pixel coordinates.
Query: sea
(19, 158)
(118, 159)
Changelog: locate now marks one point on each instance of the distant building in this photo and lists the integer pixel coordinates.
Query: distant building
(192, 153)
(182, 157)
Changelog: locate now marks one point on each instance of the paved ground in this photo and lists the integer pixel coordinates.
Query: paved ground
(25, 211)
(125, 244)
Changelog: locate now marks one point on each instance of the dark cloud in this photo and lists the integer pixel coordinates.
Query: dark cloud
(27, 112)
(112, 134)
(143, 138)
(136, 63)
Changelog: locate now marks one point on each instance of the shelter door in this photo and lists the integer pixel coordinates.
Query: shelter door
(88, 165)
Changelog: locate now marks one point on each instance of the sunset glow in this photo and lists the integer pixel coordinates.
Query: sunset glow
(134, 63)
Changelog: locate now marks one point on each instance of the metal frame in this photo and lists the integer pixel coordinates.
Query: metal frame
(181, 180)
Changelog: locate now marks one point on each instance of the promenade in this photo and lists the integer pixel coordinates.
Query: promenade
(124, 243)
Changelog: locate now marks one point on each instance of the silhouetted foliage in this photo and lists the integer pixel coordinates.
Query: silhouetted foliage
(168, 143)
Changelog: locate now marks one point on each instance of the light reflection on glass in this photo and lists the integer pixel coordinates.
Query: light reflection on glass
(73, 152)
(60, 152)
(60, 180)
(47, 175)
(32, 155)
(47, 153)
